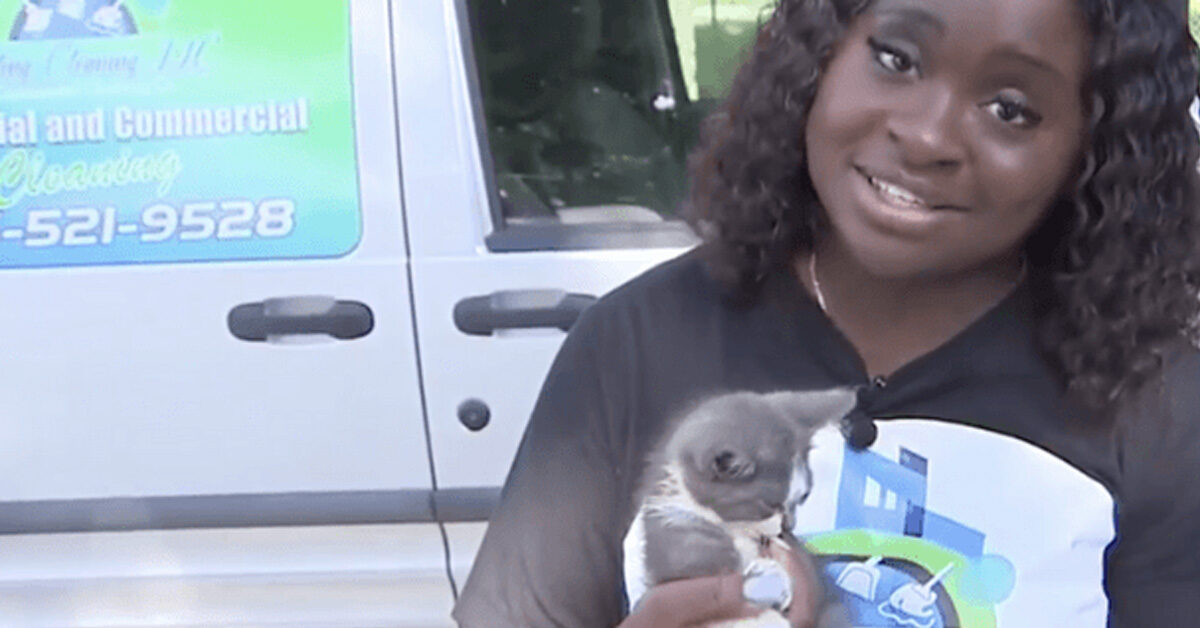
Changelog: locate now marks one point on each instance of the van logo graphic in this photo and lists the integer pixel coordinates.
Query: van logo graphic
(73, 19)
(115, 109)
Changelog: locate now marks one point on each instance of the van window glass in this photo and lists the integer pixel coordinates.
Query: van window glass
(591, 106)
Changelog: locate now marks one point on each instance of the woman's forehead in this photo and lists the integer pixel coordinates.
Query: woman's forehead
(1036, 18)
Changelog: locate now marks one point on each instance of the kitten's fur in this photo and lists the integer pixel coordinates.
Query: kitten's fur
(725, 481)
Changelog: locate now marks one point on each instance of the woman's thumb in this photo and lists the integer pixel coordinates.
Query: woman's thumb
(691, 601)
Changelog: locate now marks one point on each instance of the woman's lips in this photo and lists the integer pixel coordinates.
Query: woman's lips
(897, 195)
(897, 208)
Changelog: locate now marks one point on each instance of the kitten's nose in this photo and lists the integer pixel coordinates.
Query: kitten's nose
(766, 510)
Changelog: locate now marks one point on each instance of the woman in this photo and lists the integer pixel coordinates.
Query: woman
(982, 212)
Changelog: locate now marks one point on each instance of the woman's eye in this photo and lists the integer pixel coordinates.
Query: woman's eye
(1013, 112)
(891, 58)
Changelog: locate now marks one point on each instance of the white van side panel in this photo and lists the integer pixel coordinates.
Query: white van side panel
(130, 384)
(448, 219)
(378, 575)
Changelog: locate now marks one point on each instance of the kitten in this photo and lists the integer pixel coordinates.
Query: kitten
(723, 487)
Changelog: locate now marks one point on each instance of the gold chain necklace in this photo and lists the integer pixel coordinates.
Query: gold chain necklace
(812, 275)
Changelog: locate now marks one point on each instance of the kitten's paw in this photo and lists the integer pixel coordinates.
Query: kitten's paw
(767, 584)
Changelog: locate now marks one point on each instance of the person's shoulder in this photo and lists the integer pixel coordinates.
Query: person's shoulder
(1159, 428)
(675, 294)
(1176, 390)
(682, 283)
(1182, 365)
(1181, 390)
(1158, 498)
(685, 276)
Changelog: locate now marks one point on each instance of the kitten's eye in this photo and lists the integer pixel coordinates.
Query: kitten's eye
(1013, 111)
(728, 465)
(892, 59)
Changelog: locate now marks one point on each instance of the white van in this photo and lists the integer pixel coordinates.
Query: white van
(280, 281)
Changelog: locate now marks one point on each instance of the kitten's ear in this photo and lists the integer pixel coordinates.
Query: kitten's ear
(816, 407)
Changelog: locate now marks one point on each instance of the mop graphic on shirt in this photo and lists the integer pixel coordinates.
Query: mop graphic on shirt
(913, 604)
(924, 570)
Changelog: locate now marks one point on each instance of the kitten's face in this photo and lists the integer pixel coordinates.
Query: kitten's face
(744, 455)
(738, 459)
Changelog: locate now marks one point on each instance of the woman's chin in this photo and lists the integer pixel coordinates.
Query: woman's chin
(888, 264)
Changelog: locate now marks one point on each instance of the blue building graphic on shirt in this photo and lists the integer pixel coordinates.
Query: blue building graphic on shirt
(890, 496)
(896, 561)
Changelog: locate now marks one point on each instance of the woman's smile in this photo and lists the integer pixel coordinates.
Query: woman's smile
(899, 209)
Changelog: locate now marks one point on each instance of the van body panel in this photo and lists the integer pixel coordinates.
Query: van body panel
(135, 407)
(449, 217)
(371, 575)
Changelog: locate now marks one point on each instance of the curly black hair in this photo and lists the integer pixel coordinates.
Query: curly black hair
(1114, 267)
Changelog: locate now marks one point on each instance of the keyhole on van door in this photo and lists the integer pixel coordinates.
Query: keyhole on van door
(474, 414)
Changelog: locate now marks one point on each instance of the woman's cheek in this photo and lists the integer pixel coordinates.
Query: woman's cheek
(855, 104)
(1019, 181)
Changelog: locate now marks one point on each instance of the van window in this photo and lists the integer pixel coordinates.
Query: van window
(590, 107)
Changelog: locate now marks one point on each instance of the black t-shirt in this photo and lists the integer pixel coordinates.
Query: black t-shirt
(987, 499)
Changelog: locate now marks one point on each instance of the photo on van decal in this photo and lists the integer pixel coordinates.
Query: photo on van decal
(159, 131)
(69, 19)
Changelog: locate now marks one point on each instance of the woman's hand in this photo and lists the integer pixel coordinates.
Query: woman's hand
(704, 601)
(692, 602)
(806, 584)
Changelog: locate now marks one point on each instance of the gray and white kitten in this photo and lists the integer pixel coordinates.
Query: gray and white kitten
(723, 486)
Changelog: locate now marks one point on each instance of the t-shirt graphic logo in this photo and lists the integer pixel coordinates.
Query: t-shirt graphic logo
(898, 563)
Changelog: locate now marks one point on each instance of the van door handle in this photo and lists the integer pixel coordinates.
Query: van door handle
(307, 315)
(519, 309)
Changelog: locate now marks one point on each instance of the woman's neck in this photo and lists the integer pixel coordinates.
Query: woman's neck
(892, 321)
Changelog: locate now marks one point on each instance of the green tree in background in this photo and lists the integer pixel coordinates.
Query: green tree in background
(713, 38)
(1194, 18)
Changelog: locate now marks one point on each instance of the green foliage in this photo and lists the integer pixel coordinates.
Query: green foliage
(1194, 19)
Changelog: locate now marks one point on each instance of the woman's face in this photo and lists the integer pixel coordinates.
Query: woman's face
(942, 130)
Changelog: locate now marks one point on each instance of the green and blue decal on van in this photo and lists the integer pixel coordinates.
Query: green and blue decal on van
(149, 131)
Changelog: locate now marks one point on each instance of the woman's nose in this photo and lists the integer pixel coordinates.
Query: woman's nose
(928, 131)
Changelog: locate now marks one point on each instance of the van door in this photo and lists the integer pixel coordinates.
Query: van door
(572, 122)
(207, 324)
(570, 163)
